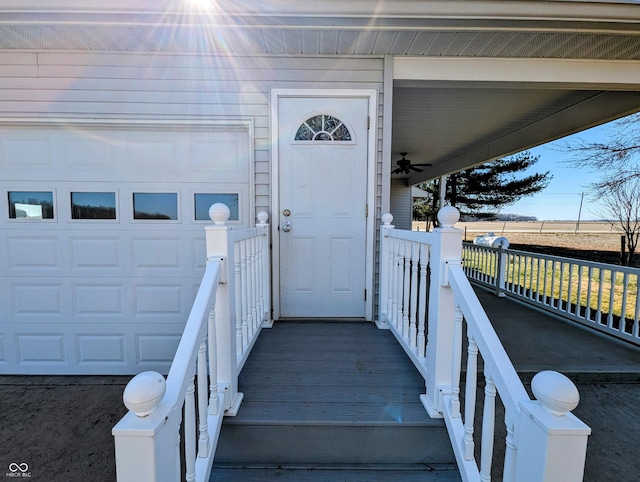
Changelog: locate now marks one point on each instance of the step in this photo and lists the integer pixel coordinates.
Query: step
(314, 443)
(331, 473)
(321, 394)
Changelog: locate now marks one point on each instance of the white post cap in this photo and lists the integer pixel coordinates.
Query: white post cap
(555, 392)
(219, 213)
(144, 392)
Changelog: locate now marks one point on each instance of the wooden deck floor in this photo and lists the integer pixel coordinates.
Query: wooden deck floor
(330, 372)
(332, 394)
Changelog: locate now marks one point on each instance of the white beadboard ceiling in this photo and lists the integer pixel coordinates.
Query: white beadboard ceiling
(451, 126)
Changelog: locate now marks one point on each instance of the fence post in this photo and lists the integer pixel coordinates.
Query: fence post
(551, 441)
(381, 321)
(220, 246)
(501, 269)
(447, 250)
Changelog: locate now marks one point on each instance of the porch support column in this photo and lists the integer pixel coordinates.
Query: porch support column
(447, 250)
(220, 247)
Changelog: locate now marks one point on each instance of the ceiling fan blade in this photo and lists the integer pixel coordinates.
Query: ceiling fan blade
(414, 168)
(425, 165)
(396, 171)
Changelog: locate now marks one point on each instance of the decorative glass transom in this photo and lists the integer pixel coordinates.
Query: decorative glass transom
(323, 127)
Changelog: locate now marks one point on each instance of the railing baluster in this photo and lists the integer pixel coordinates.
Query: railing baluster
(525, 276)
(424, 259)
(579, 290)
(612, 294)
(203, 426)
(587, 312)
(413, 328)
(561, 286)
(600, 287)
(190, 432)
(470, 398)
(488, 428)
(545, 298)
(511, 450)
(251, 285)
(406, 289)
(213, 362)
(457, 362)
(569, 288)
(552, 300)
(239, 305)
(246, 302)
(539, 267)
(623, 309)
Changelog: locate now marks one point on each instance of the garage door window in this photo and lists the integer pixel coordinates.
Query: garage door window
(159, 206)
(93, 205)
(203, 201)
(32, 205)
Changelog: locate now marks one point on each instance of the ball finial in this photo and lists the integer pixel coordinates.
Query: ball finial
(144, 392)
(448, 216)
(387, 218)
(555, 392)
(219, 213)
(263, 217)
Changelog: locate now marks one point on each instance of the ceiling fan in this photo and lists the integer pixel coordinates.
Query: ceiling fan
(405, 166)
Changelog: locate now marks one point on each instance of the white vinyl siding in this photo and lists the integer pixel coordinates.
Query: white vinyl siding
(401, 204)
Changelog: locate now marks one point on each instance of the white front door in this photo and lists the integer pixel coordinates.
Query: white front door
(323, 189)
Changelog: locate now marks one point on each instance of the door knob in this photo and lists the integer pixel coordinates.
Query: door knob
(287, 226)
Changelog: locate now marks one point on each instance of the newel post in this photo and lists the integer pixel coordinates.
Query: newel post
(385, 228)
(551, 441)
(147, 437)
(265, 271)
(445, 251)
(220, 247)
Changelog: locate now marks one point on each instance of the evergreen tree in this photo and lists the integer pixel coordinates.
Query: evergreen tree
(481, 191)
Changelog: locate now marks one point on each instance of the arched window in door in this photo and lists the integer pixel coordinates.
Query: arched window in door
(323, 127)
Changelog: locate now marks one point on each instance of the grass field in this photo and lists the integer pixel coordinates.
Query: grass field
(588, 236)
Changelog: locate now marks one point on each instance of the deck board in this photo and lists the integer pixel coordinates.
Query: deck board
(331, 373)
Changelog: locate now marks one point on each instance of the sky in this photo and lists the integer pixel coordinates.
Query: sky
(560, 201)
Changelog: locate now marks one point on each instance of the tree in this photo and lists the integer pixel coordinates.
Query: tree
(622, 204)
(481, 191)
(617, 161)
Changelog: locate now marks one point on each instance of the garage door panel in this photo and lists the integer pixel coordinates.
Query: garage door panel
(213, 153)
(108, 296)
(73, 348)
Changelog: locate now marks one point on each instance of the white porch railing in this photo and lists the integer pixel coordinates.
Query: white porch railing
(604, 297)
(424, 295)
(231, 307)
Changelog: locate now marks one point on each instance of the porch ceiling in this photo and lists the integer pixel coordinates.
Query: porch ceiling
(449, 124)
(454, 126)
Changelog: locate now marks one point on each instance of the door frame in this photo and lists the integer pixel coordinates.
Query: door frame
(372, 96)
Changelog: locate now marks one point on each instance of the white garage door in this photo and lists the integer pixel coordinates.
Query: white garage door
(102, 239)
